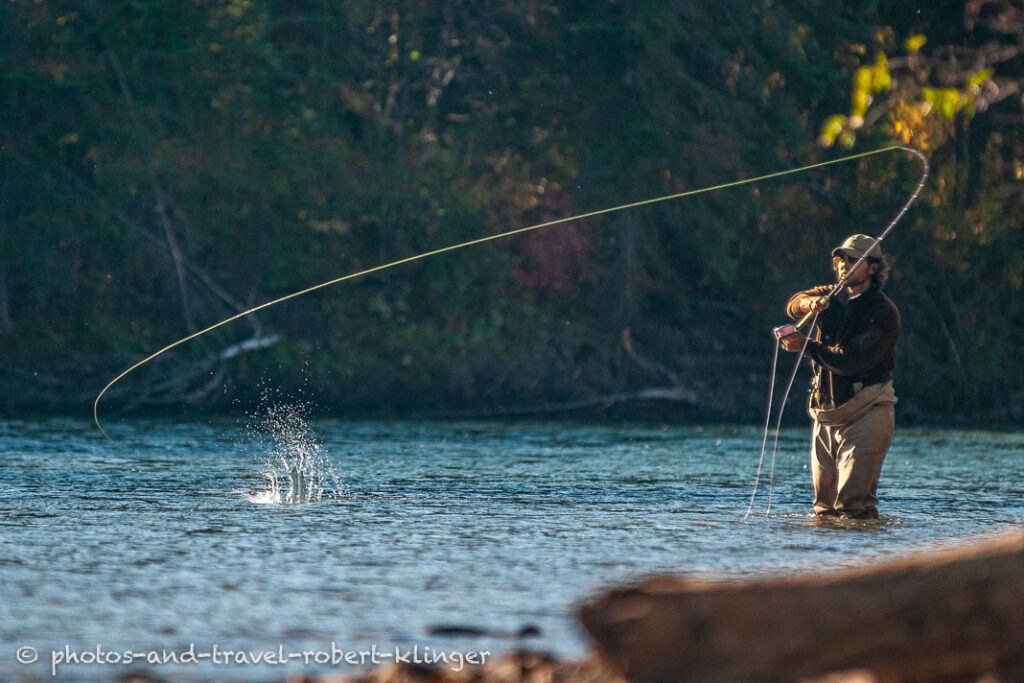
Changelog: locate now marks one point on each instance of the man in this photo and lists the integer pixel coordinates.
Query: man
(853, 352)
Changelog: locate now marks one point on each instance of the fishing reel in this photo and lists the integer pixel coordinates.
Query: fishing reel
(783, 331)
(789, 329)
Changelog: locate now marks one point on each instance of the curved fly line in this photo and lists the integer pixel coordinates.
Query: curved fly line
(470, 243)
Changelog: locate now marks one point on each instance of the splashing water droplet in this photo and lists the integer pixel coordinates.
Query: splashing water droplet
(296, 467)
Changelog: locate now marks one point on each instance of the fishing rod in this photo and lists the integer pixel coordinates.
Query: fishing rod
(481, 240)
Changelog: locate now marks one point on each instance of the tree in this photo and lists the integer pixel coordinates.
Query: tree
(959, 101)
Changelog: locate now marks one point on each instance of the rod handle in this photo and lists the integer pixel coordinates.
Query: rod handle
(804, 320)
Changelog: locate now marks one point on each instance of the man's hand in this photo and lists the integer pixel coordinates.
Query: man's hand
(793, 342)
(815, 305)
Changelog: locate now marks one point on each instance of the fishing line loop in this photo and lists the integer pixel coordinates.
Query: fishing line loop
(782, 408)
(480, 240)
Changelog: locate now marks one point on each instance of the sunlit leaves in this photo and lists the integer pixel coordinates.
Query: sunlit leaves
(947, 101)
(832, 128)
(976, 80)
(910, 125)
(868, 81)
(909, 108)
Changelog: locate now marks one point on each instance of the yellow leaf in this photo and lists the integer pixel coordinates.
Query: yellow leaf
(831, 129)
(882, 80)
(860, 102)
(862, 79)
(915, 43)
(880, 77)
(976, 80)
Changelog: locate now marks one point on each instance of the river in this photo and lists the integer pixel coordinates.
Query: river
(292, 543)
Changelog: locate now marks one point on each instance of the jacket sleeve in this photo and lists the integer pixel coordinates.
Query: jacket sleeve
(795, 305)
(866, 349)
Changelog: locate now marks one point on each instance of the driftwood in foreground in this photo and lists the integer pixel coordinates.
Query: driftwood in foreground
(954, 614)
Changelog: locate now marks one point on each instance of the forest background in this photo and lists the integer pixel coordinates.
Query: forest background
(166, 164)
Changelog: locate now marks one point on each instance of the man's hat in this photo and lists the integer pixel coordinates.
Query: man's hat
(856, 246)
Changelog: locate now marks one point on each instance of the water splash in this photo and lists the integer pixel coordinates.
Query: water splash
(296, 467)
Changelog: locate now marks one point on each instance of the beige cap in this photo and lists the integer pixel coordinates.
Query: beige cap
(856, 246)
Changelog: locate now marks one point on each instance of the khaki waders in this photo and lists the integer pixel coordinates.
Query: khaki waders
(848, 447)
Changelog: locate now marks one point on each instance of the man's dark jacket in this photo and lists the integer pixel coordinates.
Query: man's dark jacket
(854, 343)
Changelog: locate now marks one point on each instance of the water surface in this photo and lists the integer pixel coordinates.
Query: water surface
(181, 535)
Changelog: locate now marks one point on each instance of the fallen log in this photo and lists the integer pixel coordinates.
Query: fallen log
(954, 614)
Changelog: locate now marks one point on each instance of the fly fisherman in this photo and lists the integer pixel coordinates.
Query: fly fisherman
(853, 352)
